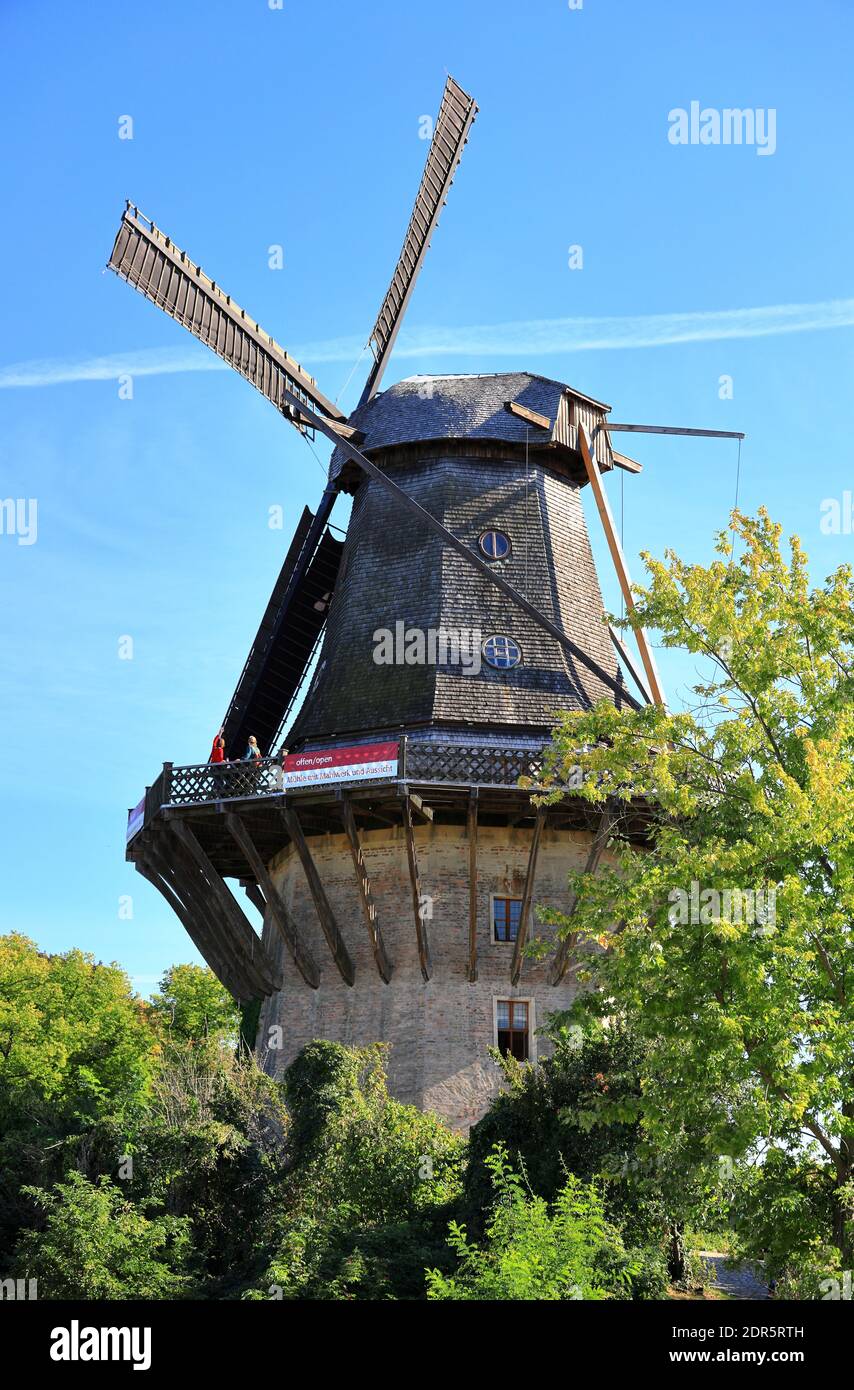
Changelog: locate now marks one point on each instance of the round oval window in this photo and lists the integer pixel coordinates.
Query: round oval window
(495, 545)
(501, 652)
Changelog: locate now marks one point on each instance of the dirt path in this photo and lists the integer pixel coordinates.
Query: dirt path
(743, 1282)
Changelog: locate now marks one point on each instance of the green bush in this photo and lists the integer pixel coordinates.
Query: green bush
(356, 1147)
(365, 1203)
(94, 1243)
(534, 1251)
(575, 1112)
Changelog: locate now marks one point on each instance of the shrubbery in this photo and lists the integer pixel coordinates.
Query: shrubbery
(370, 1184)
(535, 1250)
(146, 1155)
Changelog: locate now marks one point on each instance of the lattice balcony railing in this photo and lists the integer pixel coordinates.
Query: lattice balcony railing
(472, 764)
(222, 781)
(460, 764)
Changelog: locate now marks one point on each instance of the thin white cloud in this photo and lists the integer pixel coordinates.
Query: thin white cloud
(650, 330)
(148, 362)
(527, 338)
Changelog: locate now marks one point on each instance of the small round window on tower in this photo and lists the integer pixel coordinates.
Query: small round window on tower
(501, 652)
(495, 545)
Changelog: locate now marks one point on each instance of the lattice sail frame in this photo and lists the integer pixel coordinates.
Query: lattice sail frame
(450, 133)
(151, 262)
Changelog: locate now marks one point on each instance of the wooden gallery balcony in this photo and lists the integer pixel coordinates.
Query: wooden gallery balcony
(197, 826)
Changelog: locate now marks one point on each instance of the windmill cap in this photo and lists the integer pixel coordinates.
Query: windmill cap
(516, 407)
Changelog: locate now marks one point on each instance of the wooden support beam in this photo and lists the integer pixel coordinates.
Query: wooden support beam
(325, 915)
(418, 806)
(676, 429)
(626, 658)
(533, 417)
(195, 871)
(366, 897)
(195, 876)
(415, 884)
(600, 839)
(198, 932)
(604, 509)
(623, 461)
(192, 909)
(472, 838)
(255, 896)
(302, 957)
(201, 903)
(528, 892)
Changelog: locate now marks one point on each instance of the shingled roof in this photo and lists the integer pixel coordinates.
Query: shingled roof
(424, 408)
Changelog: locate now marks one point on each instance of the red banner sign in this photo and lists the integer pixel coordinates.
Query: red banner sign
(352, 764)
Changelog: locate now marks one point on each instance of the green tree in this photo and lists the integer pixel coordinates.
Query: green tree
(209, 1146)
(72, 1034)
(193, 1004)
(745, 1004)
(546, 1118)
(93, 1243)
(76, 1047)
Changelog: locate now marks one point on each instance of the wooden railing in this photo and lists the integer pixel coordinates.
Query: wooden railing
(470, 764)
(453, 764)
(221, 781)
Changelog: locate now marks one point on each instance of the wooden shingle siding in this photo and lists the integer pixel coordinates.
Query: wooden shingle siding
(392, 572)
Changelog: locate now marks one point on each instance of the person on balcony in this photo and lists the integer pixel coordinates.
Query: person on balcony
(218, 749)
(253, 752)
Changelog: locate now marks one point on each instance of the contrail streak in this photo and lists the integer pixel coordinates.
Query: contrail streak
(527, 338)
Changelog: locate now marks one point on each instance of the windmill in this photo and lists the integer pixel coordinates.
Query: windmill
(467, 555)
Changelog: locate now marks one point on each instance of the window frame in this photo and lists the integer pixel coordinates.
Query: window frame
(501, 898)
(532, 1022)
(494, 531)
(501, 637)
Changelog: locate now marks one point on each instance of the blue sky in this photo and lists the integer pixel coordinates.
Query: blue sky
(298, 127)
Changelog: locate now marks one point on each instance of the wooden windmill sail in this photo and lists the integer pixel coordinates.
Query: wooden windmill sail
(466, 518)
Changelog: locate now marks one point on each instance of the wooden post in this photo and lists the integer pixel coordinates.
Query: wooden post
(415, 884)
(472, 838)
(366, 898)
(303, 959)
(527, 896)
(201, 879)
(604, 508)
(325, 915)
(600, 840)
